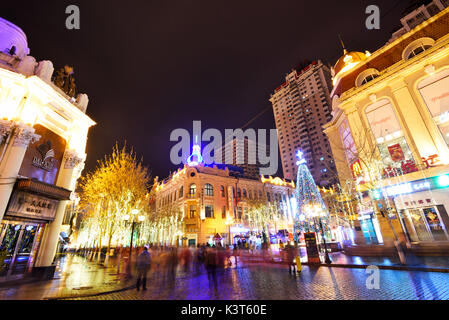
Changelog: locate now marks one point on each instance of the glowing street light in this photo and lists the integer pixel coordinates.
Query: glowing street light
(134, 218)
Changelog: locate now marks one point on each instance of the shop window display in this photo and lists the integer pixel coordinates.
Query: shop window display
(423, 224)
(397, 158)
(435, 92)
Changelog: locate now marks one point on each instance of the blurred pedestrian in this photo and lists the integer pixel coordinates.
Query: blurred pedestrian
(291, 255)
(143, 266)
(186, 258)
(236, 253)
(211, 267)
(172, 264)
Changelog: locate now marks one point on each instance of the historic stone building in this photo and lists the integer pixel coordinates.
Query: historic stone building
(43, 134)
(213, 202)
(390, 134)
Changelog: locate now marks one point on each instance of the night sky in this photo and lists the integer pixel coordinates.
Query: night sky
(150, 67)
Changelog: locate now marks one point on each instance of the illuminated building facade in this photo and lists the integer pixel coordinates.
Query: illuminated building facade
(43, 135)
(301, 106)
(390, 134)
(214, 201)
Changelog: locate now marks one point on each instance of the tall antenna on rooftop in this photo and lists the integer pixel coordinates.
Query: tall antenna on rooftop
(342, 44)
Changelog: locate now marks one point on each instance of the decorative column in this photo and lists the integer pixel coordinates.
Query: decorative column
(69, 173)
(17, 142)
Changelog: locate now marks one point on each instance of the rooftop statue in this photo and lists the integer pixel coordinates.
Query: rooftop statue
(65, 80)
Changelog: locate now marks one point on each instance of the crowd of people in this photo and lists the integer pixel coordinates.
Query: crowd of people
(164, 261)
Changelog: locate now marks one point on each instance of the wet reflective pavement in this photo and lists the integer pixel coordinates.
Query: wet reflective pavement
(273, 282)
(74, 276)
(265, 281)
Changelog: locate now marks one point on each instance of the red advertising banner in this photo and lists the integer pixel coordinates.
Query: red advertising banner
(396, 153)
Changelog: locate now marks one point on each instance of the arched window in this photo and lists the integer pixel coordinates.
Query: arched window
(394, 151)
(433, 90)
(260, 194)
(269, 196)
(181, 192)
(192, 189)
(239, 193)
(417, 47)
(250, 194)
(209, 189)
(366, 76)
(244, 193)
(222, 190)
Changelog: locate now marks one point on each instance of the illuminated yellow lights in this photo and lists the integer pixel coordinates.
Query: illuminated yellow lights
(28, 114)
(31, 100)
(277, 182)
(10, 104)
(179, 173)
(314, 210)
(325, 191)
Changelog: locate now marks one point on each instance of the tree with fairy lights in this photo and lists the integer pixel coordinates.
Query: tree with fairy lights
(311, 208)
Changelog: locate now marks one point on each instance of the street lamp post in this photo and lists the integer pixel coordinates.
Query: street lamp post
(229, 221)
(134, 219)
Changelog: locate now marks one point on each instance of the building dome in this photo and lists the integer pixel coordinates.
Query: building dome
(349, 60)
(12, 39)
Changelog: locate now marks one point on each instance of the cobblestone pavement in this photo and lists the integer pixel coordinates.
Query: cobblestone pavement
(275, 283)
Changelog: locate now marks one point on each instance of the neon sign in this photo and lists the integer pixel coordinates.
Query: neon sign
(415, 186)
(406, 188)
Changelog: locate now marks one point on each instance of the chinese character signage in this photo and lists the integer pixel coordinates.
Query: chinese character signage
(313, 255)
(26, 205)
(43, 158)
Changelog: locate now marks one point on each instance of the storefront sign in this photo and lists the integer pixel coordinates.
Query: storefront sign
(407, 166)
(356, 169)
(43, 158)
(406, 188)
(26, 205)
(313, 255)
(417, 186)
(239, 230)
(431, 161)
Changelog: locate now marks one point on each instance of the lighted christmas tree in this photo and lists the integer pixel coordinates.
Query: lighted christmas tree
(311, 206)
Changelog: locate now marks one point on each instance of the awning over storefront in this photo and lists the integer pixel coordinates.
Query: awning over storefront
(44, 189)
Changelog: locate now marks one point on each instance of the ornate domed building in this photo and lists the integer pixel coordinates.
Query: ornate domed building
(390, 130)
(13, 40)
(43, 136)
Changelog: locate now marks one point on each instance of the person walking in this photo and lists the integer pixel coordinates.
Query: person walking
(172, 265)
(211, 267)
(236, 253)
(143, 266)
(291, 255)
